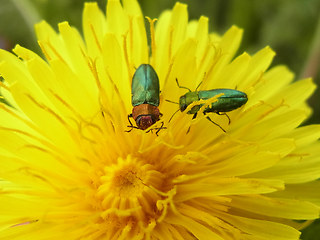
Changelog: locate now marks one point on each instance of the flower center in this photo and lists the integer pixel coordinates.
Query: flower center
(127, 182)
(130, 190)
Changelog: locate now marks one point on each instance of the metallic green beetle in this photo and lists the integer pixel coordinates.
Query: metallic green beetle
(145, 98)
(229, 101)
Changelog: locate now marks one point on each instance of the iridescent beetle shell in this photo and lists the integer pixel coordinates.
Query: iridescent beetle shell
(145, 97)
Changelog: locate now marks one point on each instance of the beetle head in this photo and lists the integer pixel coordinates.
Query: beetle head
(182, 103)
(145, 121)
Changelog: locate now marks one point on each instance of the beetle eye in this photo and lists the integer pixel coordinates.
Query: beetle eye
(182, 103)
(153, 119)
(183, 107)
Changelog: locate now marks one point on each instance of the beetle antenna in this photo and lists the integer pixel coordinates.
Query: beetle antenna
(204, 76)
(198, 85)
(171, 101)
(182, 86)
(173, 115)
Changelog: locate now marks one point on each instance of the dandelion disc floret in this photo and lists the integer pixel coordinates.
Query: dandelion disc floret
(70, 170)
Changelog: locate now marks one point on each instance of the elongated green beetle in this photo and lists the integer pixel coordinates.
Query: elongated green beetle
(229, 101)
(145, 98)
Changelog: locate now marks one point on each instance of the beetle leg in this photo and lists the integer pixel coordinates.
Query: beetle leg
(130, 116)
(131, 125)
(159, 128)
(173, 115)
(129, 129)
(150, 130)
(215, 123)
(219, 113)
(194, 116)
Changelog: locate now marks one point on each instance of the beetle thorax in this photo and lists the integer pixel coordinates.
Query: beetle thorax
(145, 115)
(187, 99)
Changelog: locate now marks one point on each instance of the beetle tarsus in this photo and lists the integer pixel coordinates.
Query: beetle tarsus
(130, 116)
(173, 115)
(158, 129)
(229, 120)
(215, 123)
(131, 125)
(194, 116)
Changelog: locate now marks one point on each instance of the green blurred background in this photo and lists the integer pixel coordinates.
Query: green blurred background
(290, 27)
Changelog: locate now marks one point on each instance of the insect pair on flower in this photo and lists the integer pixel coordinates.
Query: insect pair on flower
(145, 100)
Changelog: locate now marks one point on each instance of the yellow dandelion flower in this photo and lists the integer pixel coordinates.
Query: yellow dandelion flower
(69, 170)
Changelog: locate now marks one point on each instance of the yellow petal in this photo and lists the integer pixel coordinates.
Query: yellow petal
(230, 42)
(275, 126)
(264, 230)
(289, 208)
(303, 192)
(245, 163)
(233, 74)
(201, 35)
(298, 167)
(117, 19)
(94, 27)
(305, 135)
(132, 7)
(50, 42)
(227, 186)
(269, 84)
(259, 64)
(79, 61)
(198, 230)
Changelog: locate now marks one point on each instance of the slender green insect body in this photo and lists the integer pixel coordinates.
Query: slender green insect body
(231, 100)
(145, 98)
